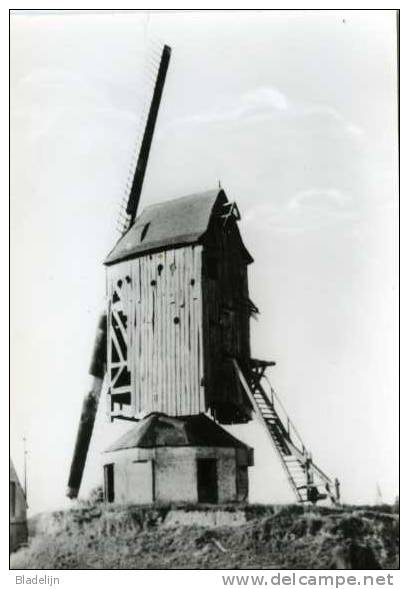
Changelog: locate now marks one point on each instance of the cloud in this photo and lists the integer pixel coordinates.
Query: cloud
(354, 130)
(325, 111)
(259, 103)
(46, 95)
(50, 76)
(319, 199)
(266, 102)
(310, 209)
(262, 100)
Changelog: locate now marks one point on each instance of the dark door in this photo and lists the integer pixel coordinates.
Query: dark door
(109, 482)
(207, 480)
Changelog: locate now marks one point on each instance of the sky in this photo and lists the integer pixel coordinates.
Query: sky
(295, 113)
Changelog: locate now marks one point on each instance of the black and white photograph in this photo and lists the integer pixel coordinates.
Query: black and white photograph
(204, 291)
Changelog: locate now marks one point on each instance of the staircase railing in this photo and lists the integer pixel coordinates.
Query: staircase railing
(287, 442)
(284, 417)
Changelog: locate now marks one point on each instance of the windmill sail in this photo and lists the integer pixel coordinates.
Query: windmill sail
(98, 364)
(141, 165)
(89, 410)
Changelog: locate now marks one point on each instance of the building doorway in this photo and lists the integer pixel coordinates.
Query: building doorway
(109, 483)
(207, 480)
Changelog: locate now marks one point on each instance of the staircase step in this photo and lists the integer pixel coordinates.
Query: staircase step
(293, 464)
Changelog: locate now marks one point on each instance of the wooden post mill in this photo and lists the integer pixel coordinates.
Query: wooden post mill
(173, 353)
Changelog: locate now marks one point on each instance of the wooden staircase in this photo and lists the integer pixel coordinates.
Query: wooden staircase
(308, 482)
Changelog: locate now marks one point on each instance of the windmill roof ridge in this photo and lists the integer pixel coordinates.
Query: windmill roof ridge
(185, 197)
(176, 222)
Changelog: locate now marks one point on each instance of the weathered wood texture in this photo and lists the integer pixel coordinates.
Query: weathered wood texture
(226, 311)
(176, 319)
(155, 334)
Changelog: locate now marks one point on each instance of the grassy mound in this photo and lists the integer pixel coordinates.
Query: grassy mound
(289, 537)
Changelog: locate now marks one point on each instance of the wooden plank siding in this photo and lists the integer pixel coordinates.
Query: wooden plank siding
(226, 321)
(184, 313)
(160, 296)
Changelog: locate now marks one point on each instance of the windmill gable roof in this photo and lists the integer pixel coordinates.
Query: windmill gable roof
(177, 222)
(158, 430)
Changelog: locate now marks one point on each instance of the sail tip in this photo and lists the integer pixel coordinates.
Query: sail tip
(72, 493)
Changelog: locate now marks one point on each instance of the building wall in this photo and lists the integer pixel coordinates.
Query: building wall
(18, 534)
(18, 513)
(20, 505)
(155, 361)
(132, 485)
(173, 474)
(226, 322)
(175, 471)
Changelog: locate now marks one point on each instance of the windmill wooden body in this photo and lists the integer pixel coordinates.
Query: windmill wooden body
(179, 310)
(174, 348)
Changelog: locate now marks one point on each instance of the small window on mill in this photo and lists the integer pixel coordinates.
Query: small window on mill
(144, 231)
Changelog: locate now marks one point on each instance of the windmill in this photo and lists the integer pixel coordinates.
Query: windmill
(174, 351)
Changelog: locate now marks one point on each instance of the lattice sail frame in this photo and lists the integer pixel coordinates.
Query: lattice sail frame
(119, 337)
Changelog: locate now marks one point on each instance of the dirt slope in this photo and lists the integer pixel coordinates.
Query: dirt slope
(289, 537)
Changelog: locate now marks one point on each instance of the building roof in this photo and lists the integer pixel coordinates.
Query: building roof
(177, 222)
(158, 429)
(13, 473)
